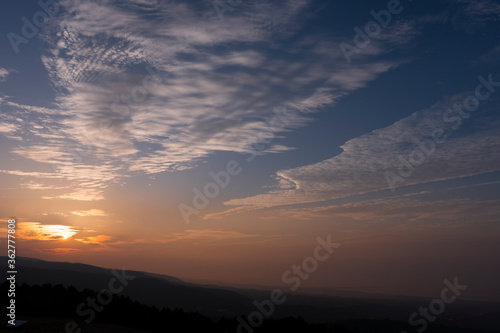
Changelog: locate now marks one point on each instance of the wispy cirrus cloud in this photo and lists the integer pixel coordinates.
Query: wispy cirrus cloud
(111, 243)
(3, 74)
(58, 250)
(365, 160)
(32, 185)
(202, 97)
(95, 240)
(90, 212)
(471, 15)
(406, 211)
(208, 236)
(99, 243)
(8, 128)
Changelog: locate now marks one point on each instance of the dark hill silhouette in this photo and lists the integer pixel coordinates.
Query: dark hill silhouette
(57, 305)
(50, 308)
(150, 289)
(164, 291)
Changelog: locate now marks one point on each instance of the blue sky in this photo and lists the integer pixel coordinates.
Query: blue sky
(117, 112)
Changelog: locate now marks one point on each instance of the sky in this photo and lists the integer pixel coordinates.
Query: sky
(216, 141)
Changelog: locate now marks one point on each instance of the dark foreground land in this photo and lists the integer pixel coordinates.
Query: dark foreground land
(50, 308)
(67, 297)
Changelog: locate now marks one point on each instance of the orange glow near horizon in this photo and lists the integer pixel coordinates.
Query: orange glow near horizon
(38, 231)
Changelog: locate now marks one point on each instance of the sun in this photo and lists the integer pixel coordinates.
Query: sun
(66, 235)
(49, 232)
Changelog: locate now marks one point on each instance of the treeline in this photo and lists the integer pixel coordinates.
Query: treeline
(48, 301)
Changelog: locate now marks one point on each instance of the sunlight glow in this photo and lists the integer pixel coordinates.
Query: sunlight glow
(35, 230)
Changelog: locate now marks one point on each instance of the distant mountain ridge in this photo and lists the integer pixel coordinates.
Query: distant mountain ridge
(216, 302)
(147, 288)
(83, 268)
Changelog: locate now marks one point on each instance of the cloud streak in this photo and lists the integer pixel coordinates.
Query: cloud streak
(364, 161)
(157, 89)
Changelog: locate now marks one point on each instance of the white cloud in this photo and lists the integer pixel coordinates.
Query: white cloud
(363, 164)
(202, 98)
(3, 74)
(8, 128)
(403, 211)
(90, 212)
(473, 14)
(79, 195)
